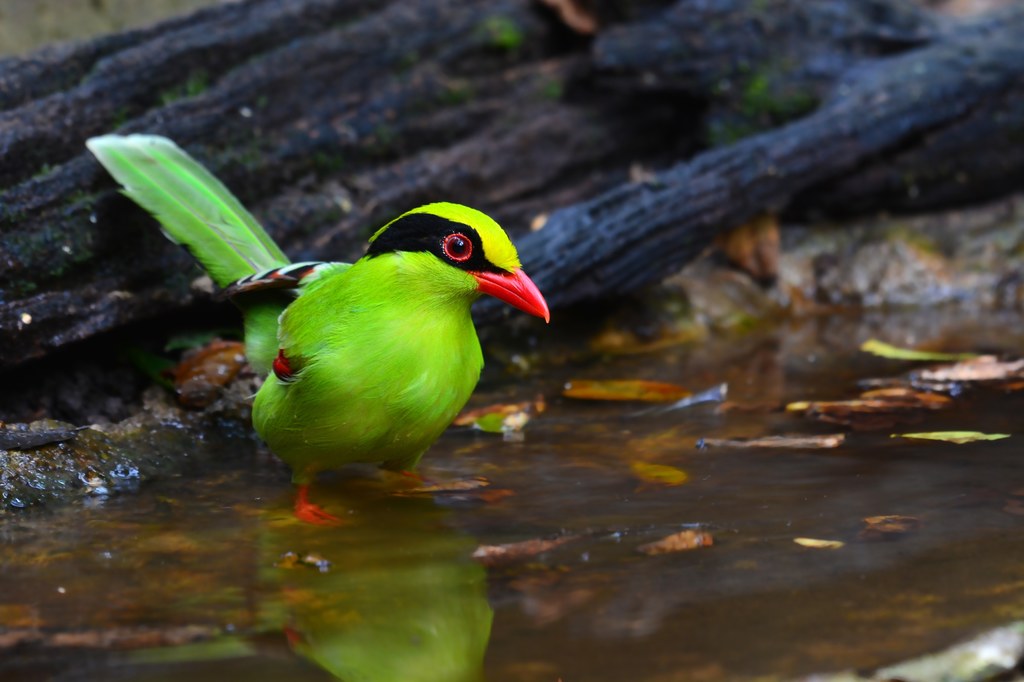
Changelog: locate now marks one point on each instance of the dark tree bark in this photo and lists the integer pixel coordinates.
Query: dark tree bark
(958, 96)
(328, 117)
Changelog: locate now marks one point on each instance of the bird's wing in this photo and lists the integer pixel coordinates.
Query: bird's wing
(294, 277)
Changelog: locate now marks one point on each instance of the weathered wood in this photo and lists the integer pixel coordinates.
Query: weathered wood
(637, 233)
(325, 135)
(757, 65)
(274, 95)
(330, 116)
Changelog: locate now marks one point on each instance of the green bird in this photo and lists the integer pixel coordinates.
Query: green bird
(364, 362)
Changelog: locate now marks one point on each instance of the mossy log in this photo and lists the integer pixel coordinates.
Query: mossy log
(327, 117)
(935, 126)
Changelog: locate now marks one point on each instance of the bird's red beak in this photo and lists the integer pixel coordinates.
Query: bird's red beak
(514, 288)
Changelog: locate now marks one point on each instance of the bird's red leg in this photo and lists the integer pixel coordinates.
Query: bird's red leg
(311, 512)
(416, 476)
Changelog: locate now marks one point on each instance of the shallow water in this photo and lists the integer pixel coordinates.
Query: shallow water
(87, 590)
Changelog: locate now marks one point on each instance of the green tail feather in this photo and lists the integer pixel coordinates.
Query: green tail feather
(195, 208)
(197, 211)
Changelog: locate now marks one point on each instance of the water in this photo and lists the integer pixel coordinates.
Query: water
(88, 590)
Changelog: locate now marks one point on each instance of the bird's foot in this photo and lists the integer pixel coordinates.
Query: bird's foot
(414, 475)
(310, 512)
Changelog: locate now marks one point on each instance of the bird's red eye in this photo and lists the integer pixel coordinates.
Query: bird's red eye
(458, 247)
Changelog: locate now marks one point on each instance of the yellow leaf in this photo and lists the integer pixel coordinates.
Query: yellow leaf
(828, 440)
(819, 544)
(659, 474)
(648, 391)
(886, 350)
(959, 437)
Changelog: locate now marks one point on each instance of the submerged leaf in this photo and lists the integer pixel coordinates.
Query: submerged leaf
(819, 544)
(505, 418)
(982, 368)
(878, 408)
(828, 440)
(647, 391)
(888, 527)
(493, 555)
(490, 423)
(678, 542)
(658, 474)
(953, 436)
(885, 350)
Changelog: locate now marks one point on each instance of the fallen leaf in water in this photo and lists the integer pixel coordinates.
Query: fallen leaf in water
(201, 374)
(819, 544)
(678, 542)
(953, 436)
(900, 395)
(888, 527)
(885, 350)
(981, 368)
(494, 555)
(647, 391)
(504, 418)
(874, 409)
(879, 400)
(828, 440)
(658, 474)
(754, 246)
(489, 422)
